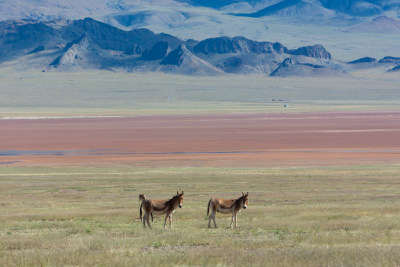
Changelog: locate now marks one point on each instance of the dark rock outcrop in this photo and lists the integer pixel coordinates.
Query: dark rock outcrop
(363, 60)
(395, 60)
(223, 45)
(315, 51)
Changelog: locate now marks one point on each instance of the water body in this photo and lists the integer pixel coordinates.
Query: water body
(9, 162)
(95, 152)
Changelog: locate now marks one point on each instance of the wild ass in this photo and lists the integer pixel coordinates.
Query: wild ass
(227, 206)
(159, 207)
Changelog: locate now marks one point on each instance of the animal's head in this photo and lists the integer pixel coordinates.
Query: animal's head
(142, 197)
(180, 198)
(245, 199)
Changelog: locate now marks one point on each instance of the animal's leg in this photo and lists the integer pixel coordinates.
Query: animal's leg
(233, 217)
(235, 220)
(165, 221)
(210, 217)
(170, 221)
(148, 221)
(215, 224)
(144, 220)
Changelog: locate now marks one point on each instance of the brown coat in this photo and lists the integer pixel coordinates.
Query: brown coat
(226, 206)
(159, 207)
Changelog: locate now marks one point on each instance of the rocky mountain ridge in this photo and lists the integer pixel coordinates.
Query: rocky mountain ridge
(90, 44)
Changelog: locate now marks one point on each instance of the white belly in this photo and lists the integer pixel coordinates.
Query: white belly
(225, 210)
(159, 212)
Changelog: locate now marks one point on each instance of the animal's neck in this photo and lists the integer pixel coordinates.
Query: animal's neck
(239, 202)
(174, 202)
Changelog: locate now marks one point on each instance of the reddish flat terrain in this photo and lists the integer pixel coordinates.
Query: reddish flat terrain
(213, 140)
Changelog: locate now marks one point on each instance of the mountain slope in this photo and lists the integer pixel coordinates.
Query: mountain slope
(182, 61)
(18, 38)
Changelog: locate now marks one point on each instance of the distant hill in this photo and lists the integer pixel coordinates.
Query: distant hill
(91, 44)
(299, 69)
(293, 8)
(380, 24)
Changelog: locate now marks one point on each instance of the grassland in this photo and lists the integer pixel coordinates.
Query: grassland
(104, 93)
(86, 216)
(81, 216)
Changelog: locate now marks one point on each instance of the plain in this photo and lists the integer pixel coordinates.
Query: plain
(62, 215)
(296, 217)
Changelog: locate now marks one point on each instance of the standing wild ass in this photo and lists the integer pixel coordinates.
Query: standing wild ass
(159, 207)
(227, 206)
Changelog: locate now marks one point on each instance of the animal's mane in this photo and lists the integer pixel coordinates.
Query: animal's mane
(237, 200)
(172, 199)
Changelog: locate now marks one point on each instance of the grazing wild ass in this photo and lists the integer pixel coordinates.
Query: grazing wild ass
(226, 206)
(159, 207)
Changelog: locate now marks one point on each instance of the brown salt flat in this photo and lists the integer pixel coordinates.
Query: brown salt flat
(303, 139)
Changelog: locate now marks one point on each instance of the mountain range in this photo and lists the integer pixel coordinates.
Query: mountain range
(90, 44)
(340, 25)
(72, 9)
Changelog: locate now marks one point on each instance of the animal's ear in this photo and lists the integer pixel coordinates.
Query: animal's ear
(177, 193)
(247, 194)
(182, 193)
(242, 194)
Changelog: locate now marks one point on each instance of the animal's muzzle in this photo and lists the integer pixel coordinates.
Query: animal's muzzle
(244, 207)
(180, 205)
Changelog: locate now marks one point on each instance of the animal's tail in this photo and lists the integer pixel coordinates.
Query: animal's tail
(141, 211)
(208, 206)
